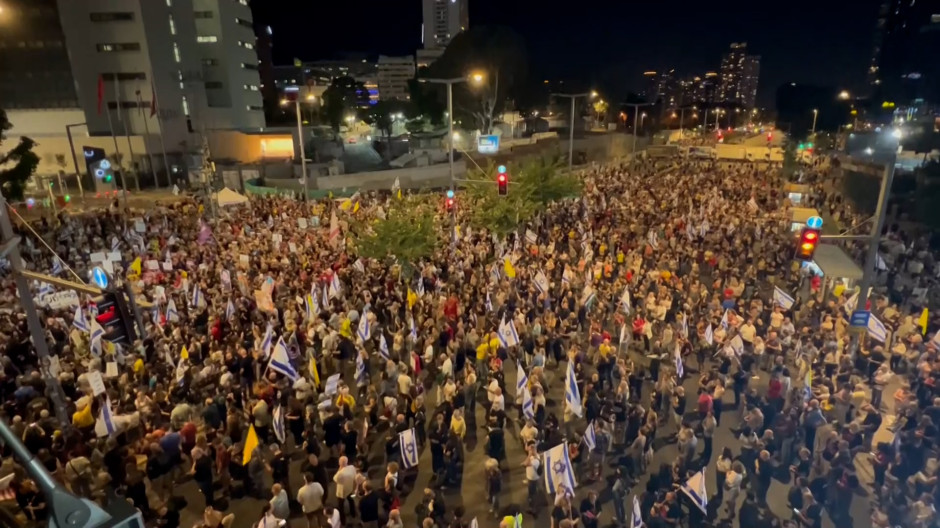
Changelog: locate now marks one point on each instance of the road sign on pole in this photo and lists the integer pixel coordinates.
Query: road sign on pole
(814, 222)
(99, 277)
(860, 318)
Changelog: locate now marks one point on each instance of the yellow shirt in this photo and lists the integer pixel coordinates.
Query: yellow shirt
(83, 418)
(348, 400)
(483, 350)
(345, 329)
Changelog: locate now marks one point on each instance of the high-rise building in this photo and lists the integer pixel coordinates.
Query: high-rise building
(705, 88)
(443, 19)
(739, 75)
(660, 86)
(34, 63)
(903, 66)
(393, 76)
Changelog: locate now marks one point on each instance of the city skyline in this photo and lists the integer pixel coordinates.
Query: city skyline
(614, 56)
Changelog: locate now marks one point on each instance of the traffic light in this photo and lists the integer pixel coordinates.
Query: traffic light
(800, 146)
(809, 239)
(502, 180)
(770, 137)
(449, 200)
(115, 318)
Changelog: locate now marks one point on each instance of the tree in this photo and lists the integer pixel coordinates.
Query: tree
(498, 55)
(381, 115)
(23, 160)
(344, 96)
(545, 180)
(407, 233)
(600, 109)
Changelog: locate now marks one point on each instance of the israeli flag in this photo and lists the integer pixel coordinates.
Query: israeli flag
(409, 448)
(359, 266)
(335, 286)
(57, 267)
(79, 320)
(155, 313)
(46, 289)
(528, 405)
(419, 289)
(590, 437)
(507, 334)
(267, 340)
(709, 335)
(567, 275)
(808, 385)
(97, 334)
(413, 332)
(684, 331)
(876, 329)
(677, 356)
(489, 303)
(278, 424)
(115, 244)
(694, 488)
(181, 369)
(280, 361)
(325, 299)
(172, 316)
(229, 310)
(637, 520)
(782, 298)
(559, 474)
(623, 333)
(572, 394)
(383, 347)
(653, 239)
(851, 303)
(541, 282)
(197, 299)
(104, 426)
(365, 328)
(494, 273)
(522, 381)
(361, 375)
(724, 320)
(625, 300)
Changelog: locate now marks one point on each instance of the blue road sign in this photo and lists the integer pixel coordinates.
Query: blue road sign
(99, 277)
(488, 144)
(860, 318)
(814, 222)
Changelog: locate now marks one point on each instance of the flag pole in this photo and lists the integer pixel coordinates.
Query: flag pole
(127, 136)
(154, 111)
(117, 150)
(140, 110)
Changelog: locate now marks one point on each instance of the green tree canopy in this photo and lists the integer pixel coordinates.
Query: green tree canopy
(16, 165)
(343, 97)
(381, 115)
(407, 233)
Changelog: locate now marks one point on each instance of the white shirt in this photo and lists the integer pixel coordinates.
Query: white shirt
(532, 468)
(334, 519)
(499, 403)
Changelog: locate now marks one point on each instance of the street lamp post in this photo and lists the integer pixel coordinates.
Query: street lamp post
(815, 115)
(300, 139)
(573, 97)
(450, 138)
(78, 175)
(636, 115)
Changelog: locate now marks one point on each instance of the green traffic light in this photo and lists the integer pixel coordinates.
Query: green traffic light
(809, 145)
(67, 198)
(800, 146)
(108, 178)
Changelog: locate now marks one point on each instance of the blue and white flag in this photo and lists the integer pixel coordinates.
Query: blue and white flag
(280, 361)
(278, 424)
(229, 310)
(783, 299)
(365, 328)
(97, 334)
(335, 286)
(567, 275)
(637, 520)
(115, 244)
(409, 448)
(268, 340)
(419, 289)
(325, 299)
(680, 368)
(724, 320)
(694, 488)
(625, 300)
(494, 273)
(359, 266)
(197, 299)
(528, 405)
(559, 473)
(383, 347)
(541, 282)
(590, 437)
(489, 303)
(57, 266)
(572, 393)
(851, 303)
(46, 289)
(104, 425)
(362, 377)
(522, 381)
(709, 335)
(684, 329)
(172, 316)
(79, 320)
(310, 303)
(876, 329)
(413, 330)
(155, 314)
(508, 336)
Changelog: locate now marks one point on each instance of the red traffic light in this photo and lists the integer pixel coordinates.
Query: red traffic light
(449, 203)
(770, 136)
(809, 239)
(502, 180)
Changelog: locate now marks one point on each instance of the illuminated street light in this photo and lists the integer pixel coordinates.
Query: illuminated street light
(284, 102)
(897, 132)
(311, 97)
(350, 119)
(593, 93)
(477, 77)
(844, 95)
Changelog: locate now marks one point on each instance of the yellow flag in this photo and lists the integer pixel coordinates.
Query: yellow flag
(251, 442)
(399, 194)
(838, 290)
(135, 266)
(507, 267)
(346, 205)
(922, 322)
(412, 298)
(315, 372)
(356, 207)
(184, 354)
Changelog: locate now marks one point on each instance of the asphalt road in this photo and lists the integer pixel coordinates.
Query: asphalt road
(471, 495)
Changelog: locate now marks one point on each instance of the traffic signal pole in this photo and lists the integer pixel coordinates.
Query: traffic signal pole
(873, 243)
(11, 251)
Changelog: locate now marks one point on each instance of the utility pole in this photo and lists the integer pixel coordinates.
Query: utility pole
(10, 249)
(636, 117)
(571, 126)
(78, 175)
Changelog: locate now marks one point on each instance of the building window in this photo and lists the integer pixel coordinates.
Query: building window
(210, 62)
(203, 14)
(111, 17)
(125, 76)
(248, 66)
(251, 87)
(254, 108)
(243, 2)
(213, 85)
(206, 38)
(243, 22)
(176, 53)
(119, 46)
(246, 45)
(185, 106)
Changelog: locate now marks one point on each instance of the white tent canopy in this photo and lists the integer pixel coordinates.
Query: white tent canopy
(229, 197)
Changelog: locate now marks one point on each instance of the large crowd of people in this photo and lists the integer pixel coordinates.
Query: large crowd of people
(270, 340)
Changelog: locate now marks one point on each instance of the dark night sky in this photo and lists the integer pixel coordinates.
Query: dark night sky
(607, 43)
